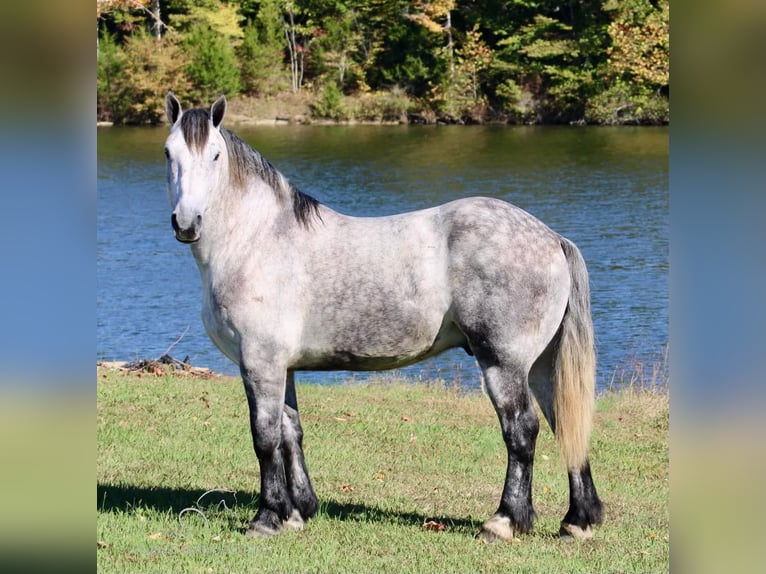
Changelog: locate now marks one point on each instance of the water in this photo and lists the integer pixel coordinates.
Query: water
(604, 188)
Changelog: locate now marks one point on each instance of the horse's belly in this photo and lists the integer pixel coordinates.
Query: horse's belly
(372, 346)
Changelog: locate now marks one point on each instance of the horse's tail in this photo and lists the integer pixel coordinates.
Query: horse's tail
(575, 366)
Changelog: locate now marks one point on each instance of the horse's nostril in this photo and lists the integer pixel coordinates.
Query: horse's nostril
(174, 222)
(198, 220)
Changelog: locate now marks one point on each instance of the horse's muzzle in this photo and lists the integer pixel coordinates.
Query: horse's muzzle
(187, 235)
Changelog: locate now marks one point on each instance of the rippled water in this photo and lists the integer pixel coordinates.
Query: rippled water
(604, 188)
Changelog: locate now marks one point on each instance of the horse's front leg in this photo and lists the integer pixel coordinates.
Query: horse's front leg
(265, 390)
(302, 495)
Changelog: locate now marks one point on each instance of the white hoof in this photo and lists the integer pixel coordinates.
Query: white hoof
(295, 521)
(260, 531)
(497, 528)
(573, 532)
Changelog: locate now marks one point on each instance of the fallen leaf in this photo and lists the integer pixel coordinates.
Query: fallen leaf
(405, 419)
(346, 488)
(216, 538)
(379, 476)
(101, 544)
(341, 420)
(435, 526)
(545, 457)
(154, 536)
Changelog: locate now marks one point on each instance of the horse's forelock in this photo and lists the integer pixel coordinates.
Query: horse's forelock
(195, 125)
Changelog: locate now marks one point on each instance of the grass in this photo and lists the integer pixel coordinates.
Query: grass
(405, 475)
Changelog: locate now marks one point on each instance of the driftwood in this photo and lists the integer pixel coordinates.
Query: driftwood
(163, 365)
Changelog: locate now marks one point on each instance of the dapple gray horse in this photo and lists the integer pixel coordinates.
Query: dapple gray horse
(289, 284)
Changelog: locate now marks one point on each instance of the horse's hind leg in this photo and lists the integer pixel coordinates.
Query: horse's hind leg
(585, 508)
(506, 384)
(299, 487)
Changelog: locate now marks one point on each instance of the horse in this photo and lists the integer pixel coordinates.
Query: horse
(289, 284)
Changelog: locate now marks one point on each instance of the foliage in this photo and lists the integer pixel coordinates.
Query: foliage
(623, 103)
(111, 63)
(640, 41)
(330, 104)
(212, 68)
(149, 69)
(260, 56)
(454, 60)
(388, 106)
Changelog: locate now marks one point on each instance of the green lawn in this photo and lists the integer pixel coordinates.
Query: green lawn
(405, 475)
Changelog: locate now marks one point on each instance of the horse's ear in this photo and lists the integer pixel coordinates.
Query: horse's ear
(172, 108)
(217, 111)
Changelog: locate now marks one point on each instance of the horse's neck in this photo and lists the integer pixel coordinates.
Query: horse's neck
(234, 222)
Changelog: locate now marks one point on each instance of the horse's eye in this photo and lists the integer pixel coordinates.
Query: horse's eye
(217, 155)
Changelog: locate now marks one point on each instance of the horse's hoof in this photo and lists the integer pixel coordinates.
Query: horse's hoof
(295, 521)
(496, 529)
(256, 530)
(573, 532)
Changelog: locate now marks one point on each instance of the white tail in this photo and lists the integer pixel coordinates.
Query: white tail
(575, 366)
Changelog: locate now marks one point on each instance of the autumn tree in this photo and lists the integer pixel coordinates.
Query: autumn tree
(640, 41)
(637, 75)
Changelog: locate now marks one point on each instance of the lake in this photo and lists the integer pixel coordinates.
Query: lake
(604, 188)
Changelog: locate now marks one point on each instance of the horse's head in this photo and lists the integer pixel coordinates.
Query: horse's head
(196, 157)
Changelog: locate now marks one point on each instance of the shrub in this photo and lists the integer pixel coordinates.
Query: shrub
(624, 103)
(390, 106)
(330, 104)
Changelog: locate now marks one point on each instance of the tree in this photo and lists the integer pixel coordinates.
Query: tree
(640, 41)
(298, 29)
(437, 17)
(111, 62)
(261, 53)
(122, 10)
(212, 68)
(149, 69)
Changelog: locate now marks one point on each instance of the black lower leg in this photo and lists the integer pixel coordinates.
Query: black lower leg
(585, 507)
(298, 482)
(520, 434)
(265, 398)
(275, 504)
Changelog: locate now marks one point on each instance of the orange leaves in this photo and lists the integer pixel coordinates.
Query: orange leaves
(347, 417)
(434, 526)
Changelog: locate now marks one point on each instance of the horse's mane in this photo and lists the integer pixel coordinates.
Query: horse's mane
(245, 162)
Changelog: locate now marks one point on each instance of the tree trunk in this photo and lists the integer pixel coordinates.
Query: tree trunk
(157, 23)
